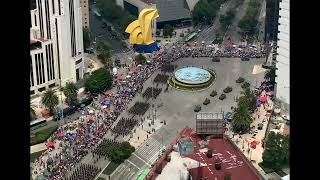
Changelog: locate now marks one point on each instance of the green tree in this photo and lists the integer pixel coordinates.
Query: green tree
(33, 115)
(242, 118)
(71, 92)
(270, 75)
(104, 54)
(120, 152)
(276, 153)
(249, 22)
(167, 30)
(119, 17)
(249, 99)
(226, 20)
(86, 38)
(50, 100)
(205, 11)
(140, 59)
(98, 81)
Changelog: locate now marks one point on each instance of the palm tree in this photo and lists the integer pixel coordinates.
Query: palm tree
(32, 111)
(50, 100)
(242, 119)
(71, 92)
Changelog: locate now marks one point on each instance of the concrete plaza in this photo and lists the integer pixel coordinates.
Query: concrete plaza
(178, 107)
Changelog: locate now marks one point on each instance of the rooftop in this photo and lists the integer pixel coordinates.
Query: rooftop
(200, 166)
(172, 10)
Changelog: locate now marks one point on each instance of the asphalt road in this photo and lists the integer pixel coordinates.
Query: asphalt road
(178, 107)
(102, 34)
(208, 34)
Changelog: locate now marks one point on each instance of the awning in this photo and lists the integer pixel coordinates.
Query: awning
(106, 93)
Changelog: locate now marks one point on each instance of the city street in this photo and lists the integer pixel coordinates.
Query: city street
(208, 34)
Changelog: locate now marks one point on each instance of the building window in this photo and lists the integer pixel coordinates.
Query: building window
(32, 92)
(77, 74)
(79, 61)
(52, 85)
(85, 18)
(42, 89)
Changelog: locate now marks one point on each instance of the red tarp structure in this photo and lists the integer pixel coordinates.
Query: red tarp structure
(189, 43)
(262, 99)
(50, 144)
(60, 134)
(106, 109)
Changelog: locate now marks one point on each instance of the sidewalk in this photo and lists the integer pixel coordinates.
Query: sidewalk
(37, 148)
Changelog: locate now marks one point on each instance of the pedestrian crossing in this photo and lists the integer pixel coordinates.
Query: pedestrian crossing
(149, 150)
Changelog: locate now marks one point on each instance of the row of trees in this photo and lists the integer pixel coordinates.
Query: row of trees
(276, 153)
(96, 83)
(86, 38)
(113, 13)
(206, 10)
(167, 30)
(248, 24)
(226, 20)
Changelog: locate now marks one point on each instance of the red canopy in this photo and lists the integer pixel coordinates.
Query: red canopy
(50, 144)
(253, 143)
(262, 99)
(60, 134)
(106, 109)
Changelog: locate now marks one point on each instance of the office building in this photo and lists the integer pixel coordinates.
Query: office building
(56, 46)
(283, 55)
(85, 13)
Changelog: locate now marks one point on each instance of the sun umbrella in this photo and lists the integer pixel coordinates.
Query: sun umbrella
(50, 144)
(139, 65)
(60, 134)
(262, 99)
(82, 105)
(128, 76)
(104, 107)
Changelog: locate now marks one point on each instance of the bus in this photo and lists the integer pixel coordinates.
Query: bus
(38, 123)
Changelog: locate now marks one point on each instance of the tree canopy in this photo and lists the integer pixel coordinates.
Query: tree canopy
(140, 59)
(276, 153)
(86, 38)
(121, 152)
(50, 100)
(71, 93)
(167, 30)
(113, 13)
(205, 11)
(104, 54)
(98, 81)
(248, 24)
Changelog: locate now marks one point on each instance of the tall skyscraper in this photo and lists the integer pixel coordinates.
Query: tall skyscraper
(85, 13)
(56, 44)
(283, 55)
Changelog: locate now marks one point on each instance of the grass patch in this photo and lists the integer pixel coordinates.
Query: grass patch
(43, 135)
(35, 155)
(100, 178)
(110, 168)
(265, 169)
